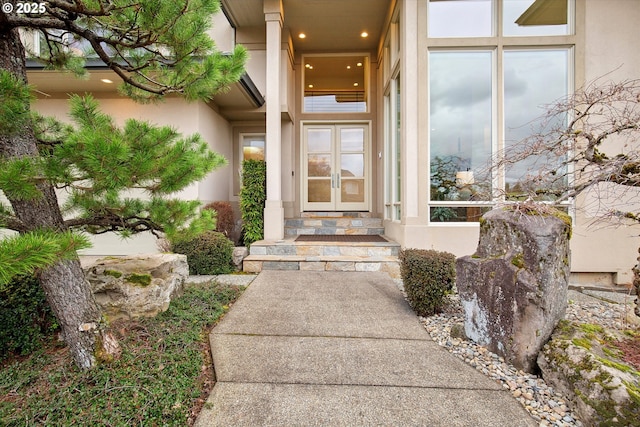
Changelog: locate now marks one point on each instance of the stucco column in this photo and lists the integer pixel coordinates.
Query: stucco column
(409, 80)
(273, 210)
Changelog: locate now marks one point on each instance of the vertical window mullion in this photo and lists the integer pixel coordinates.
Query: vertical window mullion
(397, 139)
(499, 145)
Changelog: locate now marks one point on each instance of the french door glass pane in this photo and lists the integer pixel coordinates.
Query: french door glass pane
(319, 140)
(460, 18)
(352, 190)
(319, 190)
(319, 165)
(352, 139)
(532, 80)
(352, 165)
(460, 88)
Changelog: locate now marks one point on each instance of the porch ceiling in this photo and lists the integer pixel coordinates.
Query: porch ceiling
(241, 101)
(329, 25)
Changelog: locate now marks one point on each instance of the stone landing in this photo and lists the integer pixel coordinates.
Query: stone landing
(289, 254)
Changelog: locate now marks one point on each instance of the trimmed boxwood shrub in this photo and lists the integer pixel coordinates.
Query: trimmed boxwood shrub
(428, 276)
(25, 317)
(209, 253)
(252, 198)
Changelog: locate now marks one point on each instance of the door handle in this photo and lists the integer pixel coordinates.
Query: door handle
(333, 183)
(338, 180)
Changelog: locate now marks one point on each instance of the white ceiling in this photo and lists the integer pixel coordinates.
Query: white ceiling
(330, 25)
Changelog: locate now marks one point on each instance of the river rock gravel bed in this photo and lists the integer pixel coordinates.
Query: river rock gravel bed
(543, 403)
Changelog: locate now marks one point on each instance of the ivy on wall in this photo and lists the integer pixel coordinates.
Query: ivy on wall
(252, 198)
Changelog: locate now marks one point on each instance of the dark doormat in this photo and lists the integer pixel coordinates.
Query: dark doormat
(348, 238)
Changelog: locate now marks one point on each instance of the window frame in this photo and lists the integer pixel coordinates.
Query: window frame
(498, 44)
(391, 126)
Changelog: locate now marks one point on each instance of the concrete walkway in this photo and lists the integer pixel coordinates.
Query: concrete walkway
(341, 349)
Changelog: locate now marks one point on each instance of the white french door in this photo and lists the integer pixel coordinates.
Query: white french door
(335, 167)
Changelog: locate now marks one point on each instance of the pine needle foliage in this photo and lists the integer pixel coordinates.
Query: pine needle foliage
(14, 104)
(157, 47)
(116, 179)
(24, 254)
(122, 179)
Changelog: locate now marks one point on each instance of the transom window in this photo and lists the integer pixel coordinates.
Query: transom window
(336, 84)
(477, 18)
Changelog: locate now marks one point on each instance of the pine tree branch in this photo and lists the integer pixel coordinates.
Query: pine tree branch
(12, 223)
(113, 223)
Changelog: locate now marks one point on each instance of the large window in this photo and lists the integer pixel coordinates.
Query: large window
(485, 93)
(535, 18)
(392, 125)
(460, 18)
(460, 122)
(532, 79)
(476, 18)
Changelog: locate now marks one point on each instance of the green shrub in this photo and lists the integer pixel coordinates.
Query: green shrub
(252, 197)
(25, 317)
(209, 253)
(428, 276)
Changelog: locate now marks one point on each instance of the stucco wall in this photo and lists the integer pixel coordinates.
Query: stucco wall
(222, 33)
(611, 34)
(217, 132)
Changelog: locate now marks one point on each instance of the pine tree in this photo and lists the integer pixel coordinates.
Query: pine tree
(158, 48)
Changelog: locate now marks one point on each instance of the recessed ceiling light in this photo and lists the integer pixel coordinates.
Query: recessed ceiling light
(355, 84)
(302, 35)
(364, 34)
(359, 64)
(307, 65)
(348, 67)
(310, 86)
(106, 81)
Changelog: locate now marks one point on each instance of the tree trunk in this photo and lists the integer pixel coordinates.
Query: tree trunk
(67, 291)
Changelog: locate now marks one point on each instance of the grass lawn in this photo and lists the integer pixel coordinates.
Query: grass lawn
(162, 378)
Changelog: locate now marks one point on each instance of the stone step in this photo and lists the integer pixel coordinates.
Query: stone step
(255, 264)
(332, 214)
(332, 225)
(319, 249)
(323, 256)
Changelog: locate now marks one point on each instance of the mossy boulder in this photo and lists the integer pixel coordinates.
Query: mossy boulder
(137, 286)
(514, 288)
(582, 362)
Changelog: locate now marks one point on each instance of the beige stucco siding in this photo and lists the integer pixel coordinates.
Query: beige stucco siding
(217, 132)
(611, 34)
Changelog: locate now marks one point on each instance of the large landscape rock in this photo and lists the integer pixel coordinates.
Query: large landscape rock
(582, 362)
(636, 285)
(239, 254)
(514, 288)
(137, 286)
